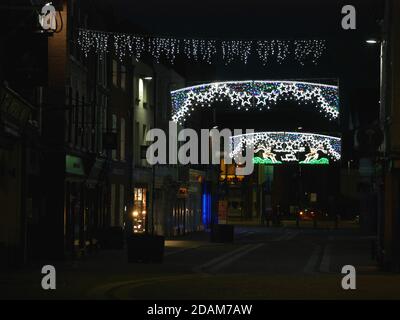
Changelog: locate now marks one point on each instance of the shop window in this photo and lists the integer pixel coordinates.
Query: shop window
(139, 213)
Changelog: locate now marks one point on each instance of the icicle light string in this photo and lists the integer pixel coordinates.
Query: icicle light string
(201, 50)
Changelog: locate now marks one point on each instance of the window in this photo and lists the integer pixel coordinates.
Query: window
(141, 90)
(122, 138)
(112, 203)
(93, 126)
(144, 133)
(76, 118)
(115, 73)
(102, 69)
(83, 124)
(123, 77)
(103, 127)
(145, 94)
(137, 144)
(121, 204)
(114, 130)
(139, 210)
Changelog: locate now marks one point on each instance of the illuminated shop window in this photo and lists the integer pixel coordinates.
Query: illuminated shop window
(139, 213)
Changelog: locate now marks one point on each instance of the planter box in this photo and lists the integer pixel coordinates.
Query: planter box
(145, 248)
(111, 238)
(222, 233)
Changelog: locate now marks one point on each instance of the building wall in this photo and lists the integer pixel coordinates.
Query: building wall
(10, 199)
(389, 237)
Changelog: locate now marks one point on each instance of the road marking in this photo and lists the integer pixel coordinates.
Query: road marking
(123, 292)
(288, 235)
(244, 234)
(107, 290)
(231, 259)
(292, 235)
(220, 258)
(167, 254)
(326, 259)
(281, 237)
(311, 266)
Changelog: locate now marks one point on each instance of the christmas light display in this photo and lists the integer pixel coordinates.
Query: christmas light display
(288, 147)
(126, 46)
(247, 95)
(200, 50)
(268, 50)
(93, 41)
(306, 50)
(169, 48)
(236, 50)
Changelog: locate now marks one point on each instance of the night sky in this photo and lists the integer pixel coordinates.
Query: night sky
(349, 59)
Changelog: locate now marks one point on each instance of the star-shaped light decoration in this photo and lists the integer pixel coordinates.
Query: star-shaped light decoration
(264, 94)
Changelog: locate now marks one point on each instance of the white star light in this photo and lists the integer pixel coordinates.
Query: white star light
(235, 97)
(266, 94)
(262, 99)
(245, 99)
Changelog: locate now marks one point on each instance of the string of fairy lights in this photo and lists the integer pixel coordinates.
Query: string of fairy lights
(255, 95)
(284, 147)
(126, 46)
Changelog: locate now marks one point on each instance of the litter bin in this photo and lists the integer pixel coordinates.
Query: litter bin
(222, 233)
(145, 248)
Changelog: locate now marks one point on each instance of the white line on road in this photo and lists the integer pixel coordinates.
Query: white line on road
(167, 254)
(231, 259)
(218, 259)
(311, 266)
(221, 258)
(326, 259)
(288, 235)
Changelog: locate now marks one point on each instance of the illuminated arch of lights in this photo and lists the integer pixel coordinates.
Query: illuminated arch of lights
(286, 147)
(255, 95)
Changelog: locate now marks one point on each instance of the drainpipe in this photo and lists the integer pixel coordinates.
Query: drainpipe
(155, 103)
(131, 127)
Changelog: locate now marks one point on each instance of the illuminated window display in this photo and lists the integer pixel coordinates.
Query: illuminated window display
(139, 213)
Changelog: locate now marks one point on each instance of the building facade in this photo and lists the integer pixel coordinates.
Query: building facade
(389, 174)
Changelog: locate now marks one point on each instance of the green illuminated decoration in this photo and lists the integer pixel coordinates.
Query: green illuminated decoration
(259, 160)
(322, 161)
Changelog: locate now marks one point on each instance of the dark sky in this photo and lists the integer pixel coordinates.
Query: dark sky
(348, 55)
(247, 18)
(349, 60)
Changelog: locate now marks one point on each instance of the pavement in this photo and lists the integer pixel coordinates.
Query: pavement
(262, 263)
